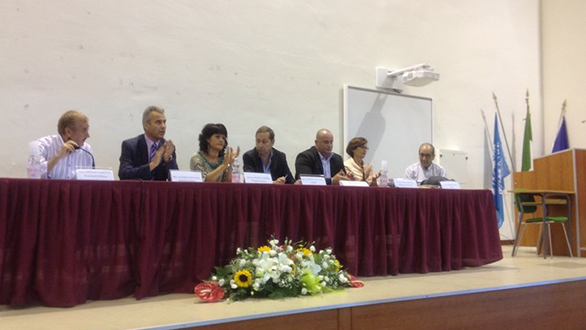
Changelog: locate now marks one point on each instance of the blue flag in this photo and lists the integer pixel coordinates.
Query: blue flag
(561, 139)
(499, 171)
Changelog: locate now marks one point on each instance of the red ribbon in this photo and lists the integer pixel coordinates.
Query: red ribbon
(355, 282)
(209, 291)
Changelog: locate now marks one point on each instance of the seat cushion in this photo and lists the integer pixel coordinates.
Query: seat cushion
(552, 219)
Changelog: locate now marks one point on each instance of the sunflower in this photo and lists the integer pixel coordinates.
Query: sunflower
(243, 278)
(337, 264)
(305, 251)
(264, 248)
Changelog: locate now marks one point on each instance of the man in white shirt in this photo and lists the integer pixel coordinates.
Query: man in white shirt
(425, 168)
(63, 153)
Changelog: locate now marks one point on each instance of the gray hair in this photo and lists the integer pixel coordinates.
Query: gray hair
(427, 144)
(147, 113)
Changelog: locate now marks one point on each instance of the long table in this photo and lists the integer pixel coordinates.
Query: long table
(65, 242)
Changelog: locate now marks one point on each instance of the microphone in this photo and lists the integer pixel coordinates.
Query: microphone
(76, 147)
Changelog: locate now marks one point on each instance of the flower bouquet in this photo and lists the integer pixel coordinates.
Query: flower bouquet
(276, 271)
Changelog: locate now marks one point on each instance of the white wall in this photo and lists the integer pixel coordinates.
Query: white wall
(279, 63)
(564, 52)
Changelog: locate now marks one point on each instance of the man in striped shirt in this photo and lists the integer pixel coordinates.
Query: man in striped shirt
(62, 154)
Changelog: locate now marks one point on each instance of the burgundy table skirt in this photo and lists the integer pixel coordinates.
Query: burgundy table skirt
(65, 242)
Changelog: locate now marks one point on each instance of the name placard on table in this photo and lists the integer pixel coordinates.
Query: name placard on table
(94, 174)
(450, 185)
(346, 183)
(313, 180)
(404, 183)
(253, 177)
(185, 176)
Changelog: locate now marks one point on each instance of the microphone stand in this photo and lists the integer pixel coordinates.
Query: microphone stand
(89, 153)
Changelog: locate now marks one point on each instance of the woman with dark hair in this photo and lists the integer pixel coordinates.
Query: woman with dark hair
(357, 148)
(214, 158)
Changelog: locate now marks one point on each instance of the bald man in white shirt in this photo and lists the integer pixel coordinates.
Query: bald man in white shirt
(67, 151)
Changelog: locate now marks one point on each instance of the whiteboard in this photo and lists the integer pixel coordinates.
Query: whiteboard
(395, 126)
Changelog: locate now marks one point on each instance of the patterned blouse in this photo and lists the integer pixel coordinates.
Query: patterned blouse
(200, 163)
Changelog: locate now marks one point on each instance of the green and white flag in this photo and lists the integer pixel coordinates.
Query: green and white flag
(527, 138)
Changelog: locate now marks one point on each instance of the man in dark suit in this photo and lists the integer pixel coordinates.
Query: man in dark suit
(320, 159)
(148, 156)
(266, 159)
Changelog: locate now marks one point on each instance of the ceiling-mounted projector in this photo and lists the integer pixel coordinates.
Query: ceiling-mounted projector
(417, 75)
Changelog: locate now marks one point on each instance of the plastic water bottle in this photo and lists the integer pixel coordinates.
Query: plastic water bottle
(34, 161)
(236, 175)
(383, 180)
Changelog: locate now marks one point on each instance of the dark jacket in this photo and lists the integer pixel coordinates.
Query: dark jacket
(134, 161)
(278, 167)
(309, 162)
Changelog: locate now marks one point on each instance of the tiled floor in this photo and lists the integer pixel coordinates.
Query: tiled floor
(183, 309)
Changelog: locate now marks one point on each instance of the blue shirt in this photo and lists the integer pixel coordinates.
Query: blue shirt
(325, 162)
(267, 168)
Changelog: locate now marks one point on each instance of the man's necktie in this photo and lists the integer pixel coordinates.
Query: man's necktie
(153, 152)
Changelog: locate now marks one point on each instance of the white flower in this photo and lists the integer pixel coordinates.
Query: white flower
(214, 278)
(342, 278)
(272, 253)
(312, 248)
(256, 286)
(315, 269)
(285, 269)
(327, 279)
(242, 263)
(238, 250)
(221, 282)
(324, 284)
(274, 242)
(289, 248)
(284, 259)
(324, 265)
(233, 284)
(304, 291)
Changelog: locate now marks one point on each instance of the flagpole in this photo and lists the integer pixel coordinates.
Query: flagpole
(562, 114)
(487, 131)
(504, 134)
